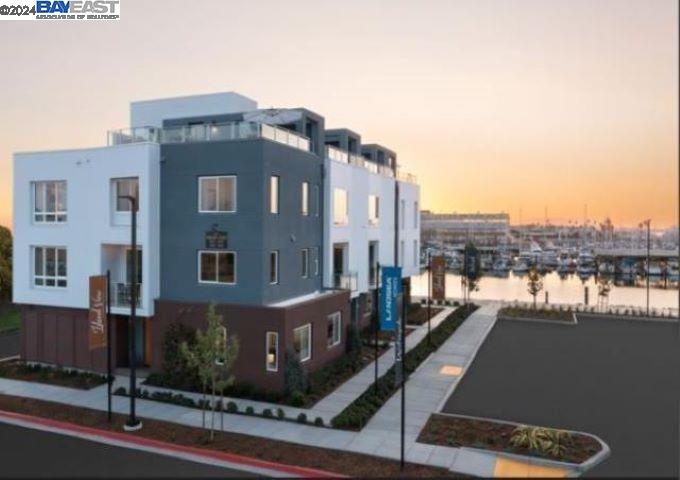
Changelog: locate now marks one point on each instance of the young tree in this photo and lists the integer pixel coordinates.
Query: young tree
(471, 271)
(212, 355)
(534, 283)
(603, 289)
(5, 264)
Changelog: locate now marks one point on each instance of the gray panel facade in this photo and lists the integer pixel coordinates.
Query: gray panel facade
(252, 231)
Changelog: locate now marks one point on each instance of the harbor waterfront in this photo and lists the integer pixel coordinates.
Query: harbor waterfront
(562, 289)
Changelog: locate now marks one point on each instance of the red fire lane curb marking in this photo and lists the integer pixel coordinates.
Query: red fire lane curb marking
(212, 454)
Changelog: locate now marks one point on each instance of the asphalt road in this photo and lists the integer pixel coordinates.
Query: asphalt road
(9, 344)
(618, 379)
(32, 453)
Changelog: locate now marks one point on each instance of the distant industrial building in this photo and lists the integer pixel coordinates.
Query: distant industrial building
(480, 228)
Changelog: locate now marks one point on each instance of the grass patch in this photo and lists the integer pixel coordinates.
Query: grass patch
(453, 431)
(360, 411)
(51, 375)
(10, 321)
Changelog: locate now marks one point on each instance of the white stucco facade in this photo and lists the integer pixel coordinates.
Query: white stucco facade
(94, 235)
(357, 234)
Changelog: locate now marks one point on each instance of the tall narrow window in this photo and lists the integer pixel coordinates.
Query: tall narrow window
(401, 253)
(49, 202)
(416, 257)
(305, 198)
(402, 213)
(302, 342)
(274, 267)
(272, 347)
(274, 194)
(316, 261)
(334, 334)
(49, 267)
(340, 207)
(217, 267)
(317, 201)
(305, 262)
(217, 194)
(415, 214)
(373, 209)
(126, 187)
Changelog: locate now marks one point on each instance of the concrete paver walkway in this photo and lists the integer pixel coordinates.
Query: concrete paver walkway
(426, 390)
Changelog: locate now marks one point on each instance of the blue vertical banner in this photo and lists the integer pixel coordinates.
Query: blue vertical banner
(389, 292)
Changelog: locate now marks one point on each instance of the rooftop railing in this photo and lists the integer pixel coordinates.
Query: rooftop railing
(406, 177)
(208, 133)
(339, 155)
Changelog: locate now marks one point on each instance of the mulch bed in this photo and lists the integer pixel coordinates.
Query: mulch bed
(346, 463)
(466, 432)
(17, 370)
(566, 316)
(418, 316)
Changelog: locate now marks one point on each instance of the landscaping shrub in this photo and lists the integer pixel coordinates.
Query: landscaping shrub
(232, 407)
(250, 410)
(280, 413)
(353, 343)
(297, 399)
(295, 378)
(302, 418)
(267, 413)
(318, 421)
(357, 414)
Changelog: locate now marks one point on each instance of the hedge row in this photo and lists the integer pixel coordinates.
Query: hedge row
(360, 411)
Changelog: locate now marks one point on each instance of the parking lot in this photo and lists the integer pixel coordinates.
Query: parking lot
(616, 378)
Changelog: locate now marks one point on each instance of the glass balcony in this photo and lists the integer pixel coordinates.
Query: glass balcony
(346, 281)
(122, 295)
(209, 133)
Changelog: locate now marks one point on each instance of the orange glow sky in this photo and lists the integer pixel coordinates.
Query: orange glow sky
(494, 104)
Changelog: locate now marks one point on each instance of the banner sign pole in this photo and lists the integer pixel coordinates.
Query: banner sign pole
(109, 376)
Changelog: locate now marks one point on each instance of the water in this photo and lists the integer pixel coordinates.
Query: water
(569, 289)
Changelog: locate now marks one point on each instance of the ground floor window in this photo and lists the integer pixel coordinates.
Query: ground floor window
(217, 267)
(302, 342)
(49, 267)
(272, 346)
(274, 267)
(334, 328)
(305, 262)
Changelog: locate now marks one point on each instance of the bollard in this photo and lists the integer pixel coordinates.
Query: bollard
(586, 296)
(546, 297)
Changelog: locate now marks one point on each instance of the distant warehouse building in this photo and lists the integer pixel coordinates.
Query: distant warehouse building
(480, 228)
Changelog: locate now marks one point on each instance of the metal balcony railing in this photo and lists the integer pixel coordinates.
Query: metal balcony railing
(208, 133)
(122, 295)
(346, 281)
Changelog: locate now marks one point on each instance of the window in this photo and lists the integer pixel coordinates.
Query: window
(49, 266)
(305, 262)
(126, 187)
(401, 253)
(416, 258)
(340, 207)
(272, 346)
(274, 194)
(317, 201)
(316, 261)
(402, 213)
(217, 194)
(373, 209)
(302, 342)
(334, 329)
(217, 267)
(274, 267)
(305, 198)
(415, 214)
(49, 202)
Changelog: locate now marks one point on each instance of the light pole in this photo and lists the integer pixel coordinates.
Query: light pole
(647, 223)
(133, 423)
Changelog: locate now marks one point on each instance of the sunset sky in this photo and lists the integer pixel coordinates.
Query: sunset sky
(496, 105)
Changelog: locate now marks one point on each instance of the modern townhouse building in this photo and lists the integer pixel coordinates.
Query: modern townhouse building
(278, 221)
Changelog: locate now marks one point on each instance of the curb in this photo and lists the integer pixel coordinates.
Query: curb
(194, 454)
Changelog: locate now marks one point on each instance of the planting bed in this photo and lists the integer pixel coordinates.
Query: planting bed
(54, 376)
(524, 313)
(346, 463)
(451, 431)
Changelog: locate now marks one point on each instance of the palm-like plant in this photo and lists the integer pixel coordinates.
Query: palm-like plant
(547, 441)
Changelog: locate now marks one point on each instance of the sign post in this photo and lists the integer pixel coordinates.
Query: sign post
(109, 376)
(377, 328)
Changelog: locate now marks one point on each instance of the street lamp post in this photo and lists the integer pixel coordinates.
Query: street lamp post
(647, 267)
(133, 423)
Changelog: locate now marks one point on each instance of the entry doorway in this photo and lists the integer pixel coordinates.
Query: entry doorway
(122, 348)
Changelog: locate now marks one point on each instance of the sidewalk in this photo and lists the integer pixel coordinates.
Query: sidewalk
(426, 390)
